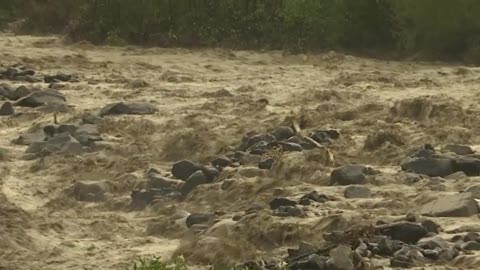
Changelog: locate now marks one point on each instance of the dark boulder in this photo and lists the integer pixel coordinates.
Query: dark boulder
(250, 140)
(430, 166)
(310, 262)
(407, 232)
(290, 147)
(199, 218)
(40, 98)
(184, 168)
(7, 109)
(222, 162)
(283, 133)
(469, 165)
(315, 196)
(266, 164)
(353, 174)
(134, 108)
(59, 77)
(458, 149)
(159, 182)
(196, 179)
(62, 144)
(281, 201)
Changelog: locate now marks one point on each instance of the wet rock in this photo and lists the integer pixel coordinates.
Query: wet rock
(406, 257)
(40, 98)
(283, 133)
(50, 130)
(93, 191)
(227, 184)
(137, 84)
(250, 140)
(142, 198)
(325, 136)
(260, 148)
(357, 192)
(196, 179)
(447, 255)
(431, 226)
(62, 144)
(29, 138)
(86, 134)
(210, 172)
(6, 109)
(134, 108)
(412, 178)
(303, 249)
(387, 246)
(6, 90)
(471, 245)
(289, 211)
(22, 91)
(304, 201)
(430, 166)
(222, 162)
(310, 262)
(184, 168)
(341, 258)
(59, 77)
(431, 254)
(456, 205)
(435, 242)
(290, 147)
(362, 250)
(92, 119)
(469, 165)
(456, 176)
(281, 201)
(247, 158)
(27, 78)
(353, 174)
(199, 218)
(474, 190)
(266, 164)
(458, 149)
(158, 181)
(407, 232)
(25, 72)
(471, 236)
(315, 196)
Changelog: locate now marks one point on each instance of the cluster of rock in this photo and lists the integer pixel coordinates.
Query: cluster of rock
(186, 175)
(453, 158)
(63, 139)
(407, 243)
(25, 74)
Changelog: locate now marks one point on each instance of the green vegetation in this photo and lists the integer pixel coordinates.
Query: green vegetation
(154, 263)
(442, 29)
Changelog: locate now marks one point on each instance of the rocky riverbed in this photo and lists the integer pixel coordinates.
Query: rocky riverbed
(263, 160)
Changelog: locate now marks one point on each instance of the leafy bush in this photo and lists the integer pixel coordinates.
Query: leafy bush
(435, 28)
(154, 263)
